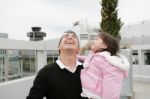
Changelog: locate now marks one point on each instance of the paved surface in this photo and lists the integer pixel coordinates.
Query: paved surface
(141, 90)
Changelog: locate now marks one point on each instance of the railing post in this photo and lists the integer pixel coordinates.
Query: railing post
(41, 57)
(127, 88)
(6, 68)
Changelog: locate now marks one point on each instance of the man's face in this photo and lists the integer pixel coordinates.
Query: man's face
(69, 42)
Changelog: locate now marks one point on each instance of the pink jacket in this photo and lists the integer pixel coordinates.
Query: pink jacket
(103, 75)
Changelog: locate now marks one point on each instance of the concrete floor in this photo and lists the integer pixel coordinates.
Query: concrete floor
(141, 90)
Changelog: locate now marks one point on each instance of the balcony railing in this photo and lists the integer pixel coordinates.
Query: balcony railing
(20, 59)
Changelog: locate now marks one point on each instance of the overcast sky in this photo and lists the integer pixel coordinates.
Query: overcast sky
(55, 16)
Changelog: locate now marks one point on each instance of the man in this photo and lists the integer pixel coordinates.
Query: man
(61, 79)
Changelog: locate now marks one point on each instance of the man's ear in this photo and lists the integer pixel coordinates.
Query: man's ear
(58, 47)
(78, 51)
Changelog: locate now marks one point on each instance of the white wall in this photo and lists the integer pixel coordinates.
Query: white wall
(136, 30)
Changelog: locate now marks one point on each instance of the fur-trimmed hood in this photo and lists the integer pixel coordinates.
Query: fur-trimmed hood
(119, 61)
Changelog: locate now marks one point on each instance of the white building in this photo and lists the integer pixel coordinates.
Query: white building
(86, 31)
(137, 37)
(3, 35)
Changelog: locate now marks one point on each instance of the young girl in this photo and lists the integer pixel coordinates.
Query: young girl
(104, 69)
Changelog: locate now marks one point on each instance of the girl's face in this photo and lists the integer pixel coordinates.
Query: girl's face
(98, 45)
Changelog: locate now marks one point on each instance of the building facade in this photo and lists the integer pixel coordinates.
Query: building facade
(136, 37)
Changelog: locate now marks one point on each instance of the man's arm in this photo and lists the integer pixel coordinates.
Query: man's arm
(39, 88)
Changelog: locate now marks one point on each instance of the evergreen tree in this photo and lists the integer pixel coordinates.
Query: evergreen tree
(110, 21)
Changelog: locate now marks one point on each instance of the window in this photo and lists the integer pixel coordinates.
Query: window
(147, 57)
(92, 37)
(135, 57)
(52, 56)
(83, 36)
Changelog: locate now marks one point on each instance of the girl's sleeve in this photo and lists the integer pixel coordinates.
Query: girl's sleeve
(81, 58)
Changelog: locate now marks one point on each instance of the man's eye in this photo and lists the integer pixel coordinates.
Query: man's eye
(66, 35)
(73, 36)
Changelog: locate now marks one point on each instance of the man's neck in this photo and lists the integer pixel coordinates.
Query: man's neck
(68, 60)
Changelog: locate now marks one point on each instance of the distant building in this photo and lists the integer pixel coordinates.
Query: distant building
(137, 37)
(2, 54)
(3, 35)
(85, 30)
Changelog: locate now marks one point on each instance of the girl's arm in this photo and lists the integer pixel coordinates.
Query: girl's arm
(81, 58)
